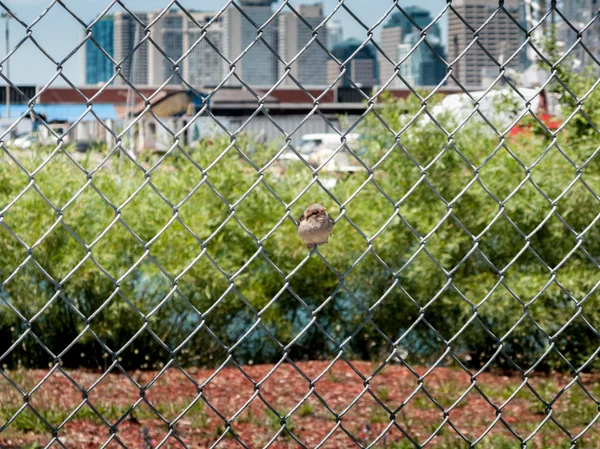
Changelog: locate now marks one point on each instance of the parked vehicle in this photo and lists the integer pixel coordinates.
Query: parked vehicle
(23, 142)
(315, 142)
(317, 149)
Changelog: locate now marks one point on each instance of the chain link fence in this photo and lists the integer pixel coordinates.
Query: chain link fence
(164, 300)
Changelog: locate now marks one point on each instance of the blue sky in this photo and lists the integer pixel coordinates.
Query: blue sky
(58, 33)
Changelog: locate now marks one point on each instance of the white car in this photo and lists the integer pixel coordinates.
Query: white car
(315, 142)
(23, 142)
(316, 149)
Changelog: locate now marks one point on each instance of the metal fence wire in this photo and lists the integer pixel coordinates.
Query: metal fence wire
(531, 32)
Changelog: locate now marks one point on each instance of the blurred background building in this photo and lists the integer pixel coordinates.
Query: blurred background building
(580, 13)
(425, 65)
(258, 66)
(97, 67)
(128, 35)
(400, 38)
(361, 70)
(204, 66)
(335, 33)
(501, 38)
(424, 62)
(293, 35)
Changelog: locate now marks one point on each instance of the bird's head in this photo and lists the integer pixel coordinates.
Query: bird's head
(314, 210)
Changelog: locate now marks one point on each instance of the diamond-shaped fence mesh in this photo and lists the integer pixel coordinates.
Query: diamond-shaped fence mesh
(155, 291)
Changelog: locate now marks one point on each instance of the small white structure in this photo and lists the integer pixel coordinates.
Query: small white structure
(23, 127)
(501, 107)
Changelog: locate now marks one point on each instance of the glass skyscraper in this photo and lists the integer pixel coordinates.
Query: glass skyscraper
(98, 68)
(398, 38)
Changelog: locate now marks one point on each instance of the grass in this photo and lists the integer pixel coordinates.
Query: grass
(383, 393)
(447, 439)
(422, 402)
(379, 418)
(28, 420)
(306, 409)
(333, 377)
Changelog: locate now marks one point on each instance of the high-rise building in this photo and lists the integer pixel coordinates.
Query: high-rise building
(258, 66)
(594, 44)
(256, 2)
(167, 33)
(203, 67)
(501, 37)
(97, 68)
(128, 33)
(311, 67)
(391, 38)
(420, 16)
(579, 13)
(335, 33)
(174, 33)
(177, 35)
(361, 69)
(424, 67)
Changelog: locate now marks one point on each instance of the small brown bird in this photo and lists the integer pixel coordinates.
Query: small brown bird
(315, 226)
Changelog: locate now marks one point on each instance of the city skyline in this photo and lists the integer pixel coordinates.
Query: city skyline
(174, 34)
(287, 38)
(60, 44)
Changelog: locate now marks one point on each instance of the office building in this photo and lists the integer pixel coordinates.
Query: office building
(97, 67)
(501, 37)
(361, 69)
(203, 67)
(398, 36)
(420, 16)
(258, 67)
(391, 38)
(579, 13)
(311, 67)
(167, 33)
(128, 33)
(423, 67)
(245, 3)
(594, 44)
(335, 33)
(176, 34)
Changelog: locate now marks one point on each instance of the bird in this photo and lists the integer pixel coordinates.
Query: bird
(315, 226)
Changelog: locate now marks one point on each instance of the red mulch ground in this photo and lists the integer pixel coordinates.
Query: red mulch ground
(341, 388)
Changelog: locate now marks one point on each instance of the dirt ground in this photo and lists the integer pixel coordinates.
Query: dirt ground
(344, 406)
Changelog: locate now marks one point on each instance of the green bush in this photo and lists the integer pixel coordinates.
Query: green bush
(191, 268)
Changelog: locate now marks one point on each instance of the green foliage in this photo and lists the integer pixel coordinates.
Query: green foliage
(196, 275)
(306, 409)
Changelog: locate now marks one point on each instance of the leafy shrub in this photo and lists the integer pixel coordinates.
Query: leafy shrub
(177, 274)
